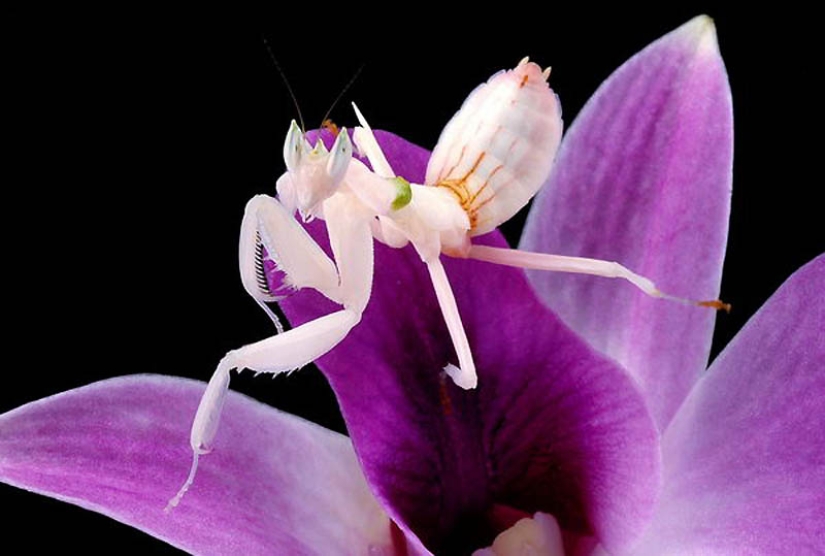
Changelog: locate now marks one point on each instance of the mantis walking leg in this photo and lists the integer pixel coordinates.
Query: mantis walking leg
(579, 265)
(305, 265)
(465, 374)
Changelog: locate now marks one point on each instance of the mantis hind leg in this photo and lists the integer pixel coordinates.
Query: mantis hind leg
(580, 265)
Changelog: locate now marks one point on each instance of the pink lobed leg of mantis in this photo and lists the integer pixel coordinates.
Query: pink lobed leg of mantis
(305, 265)
(465, 374)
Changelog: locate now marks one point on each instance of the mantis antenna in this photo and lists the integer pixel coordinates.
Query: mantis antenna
(341, 94)
(286, 82)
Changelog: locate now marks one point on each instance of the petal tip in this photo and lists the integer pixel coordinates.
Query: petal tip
(700, 33)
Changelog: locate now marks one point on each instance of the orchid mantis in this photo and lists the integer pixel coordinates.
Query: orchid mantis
(491, 159)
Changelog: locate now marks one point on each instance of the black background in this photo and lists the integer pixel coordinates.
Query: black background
(136, 139)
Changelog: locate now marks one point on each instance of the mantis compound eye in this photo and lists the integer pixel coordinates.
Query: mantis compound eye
(339, 157)
(294, 146)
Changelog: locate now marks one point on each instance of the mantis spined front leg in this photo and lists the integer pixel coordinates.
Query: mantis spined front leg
(267, 223)
(305, 265)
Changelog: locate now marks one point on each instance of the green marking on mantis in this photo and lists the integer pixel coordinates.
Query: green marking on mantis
(403, 193)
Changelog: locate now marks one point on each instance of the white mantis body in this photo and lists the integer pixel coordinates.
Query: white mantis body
(490, 160)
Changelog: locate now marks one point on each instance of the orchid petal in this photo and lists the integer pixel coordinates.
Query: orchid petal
(274, 484)
(643, 178)
(745, 455)
(553, 426)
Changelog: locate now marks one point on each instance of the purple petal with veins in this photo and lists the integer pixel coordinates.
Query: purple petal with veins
(643, 177)
(745, 455)
(552, 427)
(274, 484)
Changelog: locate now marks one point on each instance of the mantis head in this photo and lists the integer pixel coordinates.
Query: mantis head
(315, 172)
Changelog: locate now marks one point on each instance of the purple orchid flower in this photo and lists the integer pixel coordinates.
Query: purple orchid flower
(558, 425)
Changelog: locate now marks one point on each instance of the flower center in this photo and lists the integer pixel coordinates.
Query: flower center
(536, 536)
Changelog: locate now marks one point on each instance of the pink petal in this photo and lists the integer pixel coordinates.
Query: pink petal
(275, 484)
(745, 455)
(643, 177)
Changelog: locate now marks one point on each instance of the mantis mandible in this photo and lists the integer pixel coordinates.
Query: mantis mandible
(491, 159)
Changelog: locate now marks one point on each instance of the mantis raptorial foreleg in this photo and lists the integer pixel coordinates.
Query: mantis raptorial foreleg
(267, 223)
(305, 265)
